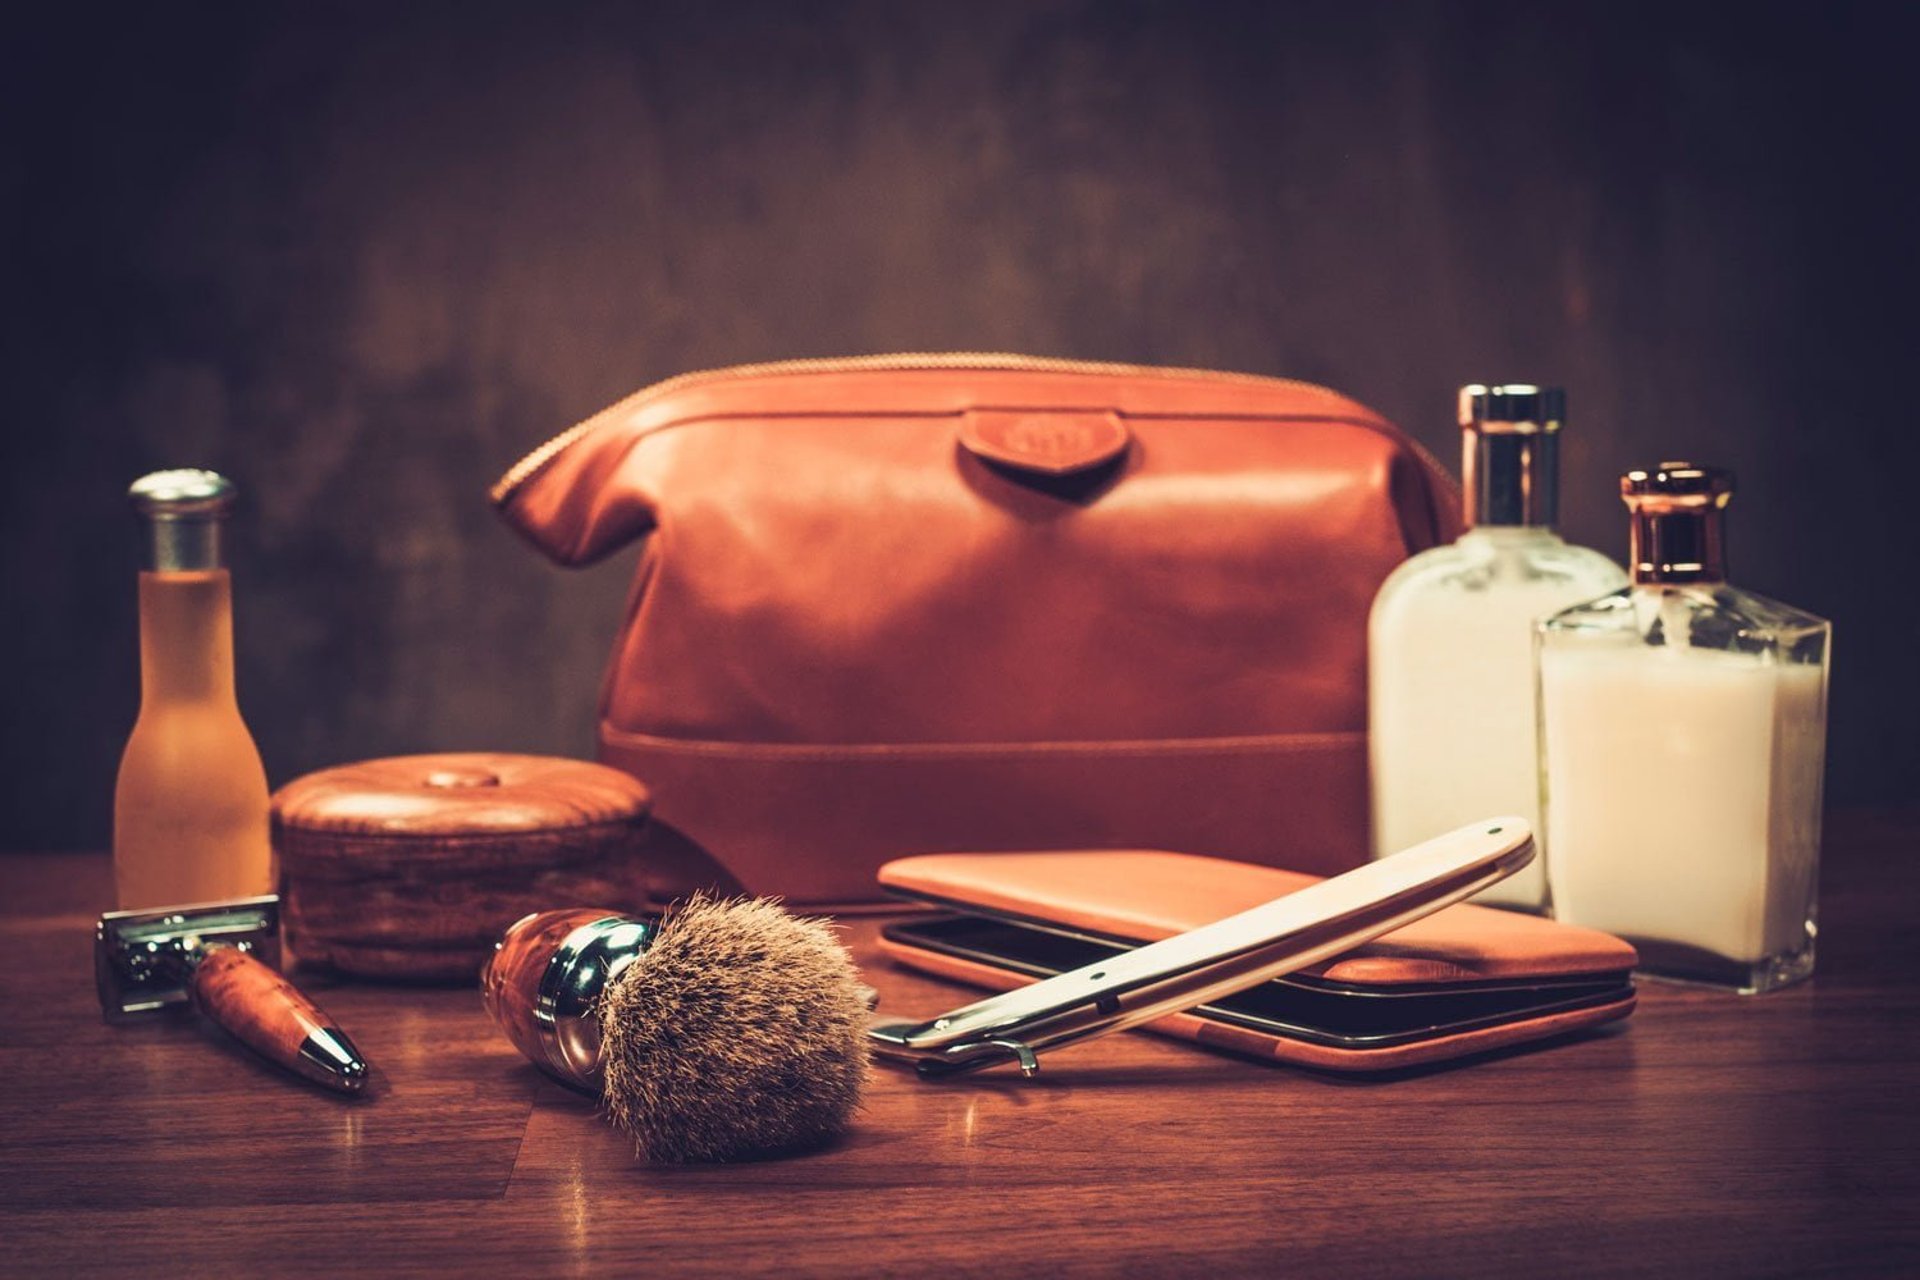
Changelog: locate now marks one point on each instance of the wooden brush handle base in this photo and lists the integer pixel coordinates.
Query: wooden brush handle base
(510, 984)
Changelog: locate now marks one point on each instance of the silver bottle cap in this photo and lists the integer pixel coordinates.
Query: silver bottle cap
(1510, 453)
(184, 513)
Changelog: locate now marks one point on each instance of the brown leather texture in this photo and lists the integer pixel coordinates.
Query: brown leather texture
(988, 603)
(410, 867)
(1146, 895)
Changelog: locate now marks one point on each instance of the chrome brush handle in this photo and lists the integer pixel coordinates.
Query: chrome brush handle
(1215, 960)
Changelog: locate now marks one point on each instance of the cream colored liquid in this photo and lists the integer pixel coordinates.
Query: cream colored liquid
(1683, 795)
(190, 807)
(1451, 696)
(1454, 740)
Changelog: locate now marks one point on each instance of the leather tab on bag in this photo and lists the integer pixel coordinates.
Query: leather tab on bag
(1049, 443)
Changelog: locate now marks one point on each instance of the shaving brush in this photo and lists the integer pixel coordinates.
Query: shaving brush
(722, 1031)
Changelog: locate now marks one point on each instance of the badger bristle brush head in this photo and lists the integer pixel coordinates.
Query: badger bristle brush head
(724, 1031)
(740, 1030)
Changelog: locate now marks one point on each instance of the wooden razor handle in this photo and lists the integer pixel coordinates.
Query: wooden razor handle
(266, 1013)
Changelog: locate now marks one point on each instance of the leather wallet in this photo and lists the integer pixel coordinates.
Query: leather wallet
(1464, 980)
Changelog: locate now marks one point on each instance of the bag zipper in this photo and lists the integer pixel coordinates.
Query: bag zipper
(527, 467)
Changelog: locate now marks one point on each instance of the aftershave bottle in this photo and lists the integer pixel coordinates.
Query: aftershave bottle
(1450, 640)
(190, 807)
(1683, 723)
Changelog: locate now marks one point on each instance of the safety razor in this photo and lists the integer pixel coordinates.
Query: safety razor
(1214, 961)
(222, 958)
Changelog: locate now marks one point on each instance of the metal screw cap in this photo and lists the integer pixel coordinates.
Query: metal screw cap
(184, 511)
(1678, 532)
(1510, 453)
(183, 493)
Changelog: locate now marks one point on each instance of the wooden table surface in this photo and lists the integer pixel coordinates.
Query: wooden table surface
(1709, 1134)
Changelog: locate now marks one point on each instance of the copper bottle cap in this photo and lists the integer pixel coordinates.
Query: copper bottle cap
(1678, 533)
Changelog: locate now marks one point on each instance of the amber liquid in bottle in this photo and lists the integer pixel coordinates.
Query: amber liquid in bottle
(190, 807)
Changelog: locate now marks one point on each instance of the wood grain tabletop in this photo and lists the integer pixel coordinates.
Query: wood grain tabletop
(1708, 1134)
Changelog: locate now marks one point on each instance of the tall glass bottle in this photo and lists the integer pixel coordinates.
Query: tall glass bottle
(190, 807)
(1450, 640)
(1683, 725)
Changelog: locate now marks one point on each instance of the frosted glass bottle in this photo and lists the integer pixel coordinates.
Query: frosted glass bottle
(1452, 721)
(190, 819)
(1683, 726)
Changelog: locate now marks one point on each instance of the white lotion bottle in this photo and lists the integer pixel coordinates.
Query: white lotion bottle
(1451, 711)
(1683, 725)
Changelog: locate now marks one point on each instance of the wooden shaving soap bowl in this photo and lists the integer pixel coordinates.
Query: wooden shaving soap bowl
(410, 867)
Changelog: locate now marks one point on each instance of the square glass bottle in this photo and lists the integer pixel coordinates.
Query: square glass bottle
(1683, 742)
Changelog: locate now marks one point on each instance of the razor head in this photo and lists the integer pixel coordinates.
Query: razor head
(143, 960)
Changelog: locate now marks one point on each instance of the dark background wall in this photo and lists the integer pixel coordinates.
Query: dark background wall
(362, 258)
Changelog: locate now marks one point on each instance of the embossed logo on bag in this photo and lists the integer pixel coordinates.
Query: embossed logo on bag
(1050, 442)
(1051, 437)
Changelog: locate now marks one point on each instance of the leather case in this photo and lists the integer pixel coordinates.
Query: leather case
(1464, 980)
(941, 602)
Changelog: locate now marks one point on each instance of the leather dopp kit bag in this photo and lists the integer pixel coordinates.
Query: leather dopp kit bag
(918, 604)
(1463, 980)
